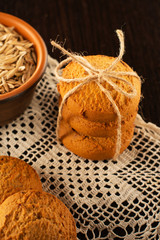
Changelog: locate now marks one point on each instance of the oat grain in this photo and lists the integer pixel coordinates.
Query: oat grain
(17, 59)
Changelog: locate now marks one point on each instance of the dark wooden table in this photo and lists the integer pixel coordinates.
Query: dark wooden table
(88, 27)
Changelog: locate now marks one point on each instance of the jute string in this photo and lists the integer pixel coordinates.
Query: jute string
(98, 76)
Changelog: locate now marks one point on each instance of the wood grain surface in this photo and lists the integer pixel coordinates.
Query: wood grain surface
(88, 27)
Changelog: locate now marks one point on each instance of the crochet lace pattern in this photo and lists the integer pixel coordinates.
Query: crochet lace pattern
(108, 199)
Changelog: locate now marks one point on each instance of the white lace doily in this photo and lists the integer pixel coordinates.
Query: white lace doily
(108, 199)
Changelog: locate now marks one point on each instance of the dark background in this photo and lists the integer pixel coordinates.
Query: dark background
(88, 27)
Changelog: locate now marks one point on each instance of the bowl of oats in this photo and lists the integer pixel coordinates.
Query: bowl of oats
(23, 59)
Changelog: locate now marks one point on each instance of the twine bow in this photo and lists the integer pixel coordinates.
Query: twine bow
(98, 76)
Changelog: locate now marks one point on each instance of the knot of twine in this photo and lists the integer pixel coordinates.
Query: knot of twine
(98, 76)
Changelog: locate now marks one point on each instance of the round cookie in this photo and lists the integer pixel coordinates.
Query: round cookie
(34, 215)
(95, 129)
(16, 175)
(94, 148)
(89, 101)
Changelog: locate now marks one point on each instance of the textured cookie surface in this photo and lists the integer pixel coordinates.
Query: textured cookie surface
(86, 127)
(90, 101)
(16, 175)
(33, 215)
(94, 148)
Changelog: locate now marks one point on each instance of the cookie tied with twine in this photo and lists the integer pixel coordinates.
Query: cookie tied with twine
(99, 76)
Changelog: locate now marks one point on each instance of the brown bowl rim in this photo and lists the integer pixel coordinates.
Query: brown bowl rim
(32, 35)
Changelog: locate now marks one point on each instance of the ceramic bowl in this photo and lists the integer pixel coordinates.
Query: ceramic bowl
(13, 103)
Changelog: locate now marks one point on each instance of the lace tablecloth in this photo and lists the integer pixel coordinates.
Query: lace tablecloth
(108, 199)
